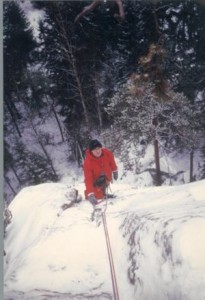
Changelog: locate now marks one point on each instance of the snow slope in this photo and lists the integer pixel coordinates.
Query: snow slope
(157, 236)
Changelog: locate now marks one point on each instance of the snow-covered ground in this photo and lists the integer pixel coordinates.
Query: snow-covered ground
(157, 237)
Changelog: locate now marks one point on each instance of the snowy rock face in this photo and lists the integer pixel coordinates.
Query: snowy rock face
(54, 250)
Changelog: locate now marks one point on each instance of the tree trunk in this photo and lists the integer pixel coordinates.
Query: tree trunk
(80, 90)
(43, 148)
(8, 182)
(156, 151)
(12, 117)
(191, 178)
(71, 59)
(157, 163)
(80, 156)
(34, 94)
(57, 119)
(15, 173)
(98, 102)
(40, 142)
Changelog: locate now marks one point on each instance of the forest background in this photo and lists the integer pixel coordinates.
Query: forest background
(134, 81)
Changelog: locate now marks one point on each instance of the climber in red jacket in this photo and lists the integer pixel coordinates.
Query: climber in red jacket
(99, 169)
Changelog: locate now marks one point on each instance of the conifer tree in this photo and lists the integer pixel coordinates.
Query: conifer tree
(17, 47)
(143, 118)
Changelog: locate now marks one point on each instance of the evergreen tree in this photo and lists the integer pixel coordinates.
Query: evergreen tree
(17, 45)
(142, 118)
(58, 52)
(182, 25)
(33, 168)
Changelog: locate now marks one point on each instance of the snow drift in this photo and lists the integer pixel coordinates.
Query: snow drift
(54, 250)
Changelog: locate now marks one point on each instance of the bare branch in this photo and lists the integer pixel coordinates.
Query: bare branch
(87, 9)
(120, 16)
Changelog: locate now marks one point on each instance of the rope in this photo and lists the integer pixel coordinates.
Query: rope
(111, 262)
(110, 256)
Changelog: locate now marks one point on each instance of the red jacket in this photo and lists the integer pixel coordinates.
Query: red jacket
(96, 166)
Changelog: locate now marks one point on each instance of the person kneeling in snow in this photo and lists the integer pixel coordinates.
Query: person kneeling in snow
(99, 168)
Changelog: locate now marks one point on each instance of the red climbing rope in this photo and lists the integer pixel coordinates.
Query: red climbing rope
(110, 256)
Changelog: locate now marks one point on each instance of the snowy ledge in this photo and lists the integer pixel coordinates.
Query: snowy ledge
(54, 250)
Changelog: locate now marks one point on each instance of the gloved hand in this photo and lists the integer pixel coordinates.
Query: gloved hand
(92, 199)
(115, 175)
